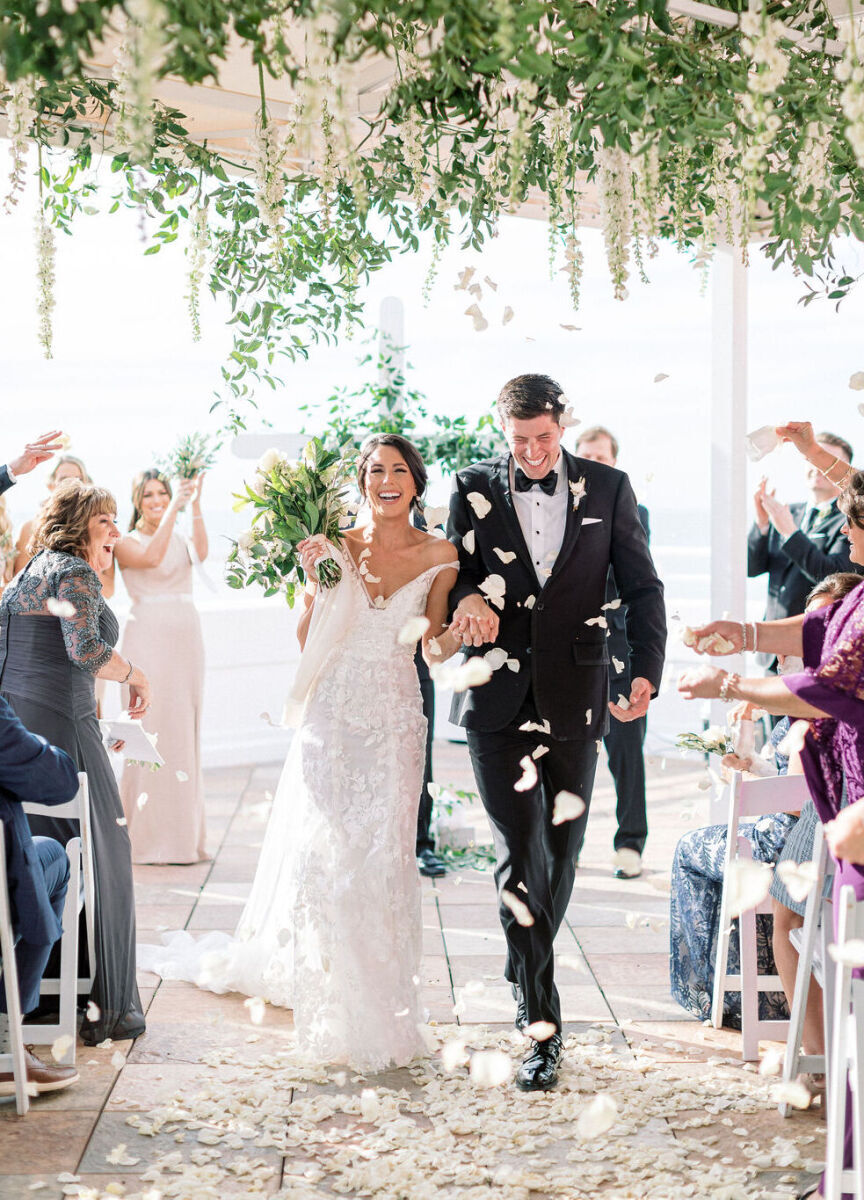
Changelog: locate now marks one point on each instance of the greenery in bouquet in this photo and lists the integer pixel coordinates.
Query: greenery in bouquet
(292, 501)
(193, 453)
(715, 739)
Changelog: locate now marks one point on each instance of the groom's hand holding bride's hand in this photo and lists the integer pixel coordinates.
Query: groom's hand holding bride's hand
(474, 621)
(640, 698)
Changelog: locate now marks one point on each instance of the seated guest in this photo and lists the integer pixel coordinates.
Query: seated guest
(56, 635)
(37, 870)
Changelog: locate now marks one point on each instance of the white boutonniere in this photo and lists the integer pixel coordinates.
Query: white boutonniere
(577, 487)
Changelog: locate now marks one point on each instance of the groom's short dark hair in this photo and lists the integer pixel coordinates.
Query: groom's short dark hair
(529, 396)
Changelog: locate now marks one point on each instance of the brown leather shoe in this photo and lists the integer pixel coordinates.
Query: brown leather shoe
(43, 1077)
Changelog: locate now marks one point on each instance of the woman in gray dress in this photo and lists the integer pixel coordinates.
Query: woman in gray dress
(57, 635)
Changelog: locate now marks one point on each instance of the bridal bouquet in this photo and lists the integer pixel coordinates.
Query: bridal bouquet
(713, 740)
(193, 454)
(292, 501)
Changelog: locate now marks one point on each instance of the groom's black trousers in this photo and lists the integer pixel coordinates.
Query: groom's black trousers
(531, 850)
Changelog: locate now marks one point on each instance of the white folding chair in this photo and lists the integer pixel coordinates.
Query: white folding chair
(846, 1052)
(14, 1060)
(750, 798)
(811, 941)
(80, 894)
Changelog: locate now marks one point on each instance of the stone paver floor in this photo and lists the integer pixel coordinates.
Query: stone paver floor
(705, 1114)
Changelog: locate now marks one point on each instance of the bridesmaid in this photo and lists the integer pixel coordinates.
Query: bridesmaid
(164, 632)
(57, 634)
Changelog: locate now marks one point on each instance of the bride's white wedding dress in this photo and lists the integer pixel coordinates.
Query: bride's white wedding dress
(332, 927)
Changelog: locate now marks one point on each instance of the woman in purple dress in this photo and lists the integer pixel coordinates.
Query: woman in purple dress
(828, 693)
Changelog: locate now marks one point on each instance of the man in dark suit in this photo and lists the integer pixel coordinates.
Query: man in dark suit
(537, 530)
(625, 739)
(37, 869)
(798, 545)
(428, 862)
(31, 456)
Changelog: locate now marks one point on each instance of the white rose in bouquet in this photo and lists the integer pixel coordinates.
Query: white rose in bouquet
(268, 460)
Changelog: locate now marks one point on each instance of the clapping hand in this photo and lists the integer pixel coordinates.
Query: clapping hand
(640, 697)
(763, 519)
(780, 515)
(34, 453)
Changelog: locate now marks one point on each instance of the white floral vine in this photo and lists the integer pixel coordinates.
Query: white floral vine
(139, 59)
(850, 72)
(20, 115)
(45, 275)
(197, 252)
(767, 70)
(614, 179)
(270, 151)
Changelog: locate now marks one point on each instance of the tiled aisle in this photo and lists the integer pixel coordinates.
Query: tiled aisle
(612, 974)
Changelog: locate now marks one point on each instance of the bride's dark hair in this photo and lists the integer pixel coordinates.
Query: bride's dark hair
(412, 458)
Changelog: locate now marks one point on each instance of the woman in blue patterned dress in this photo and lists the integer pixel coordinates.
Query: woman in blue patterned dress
(57, 635)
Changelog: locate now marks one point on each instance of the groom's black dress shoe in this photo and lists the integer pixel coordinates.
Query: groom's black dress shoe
(538, 1071)
(430, 865)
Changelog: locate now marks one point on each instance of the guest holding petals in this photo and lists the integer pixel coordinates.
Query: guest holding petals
(56, 635)
(165, 809)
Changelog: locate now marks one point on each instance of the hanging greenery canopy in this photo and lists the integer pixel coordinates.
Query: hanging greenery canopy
(679, 128)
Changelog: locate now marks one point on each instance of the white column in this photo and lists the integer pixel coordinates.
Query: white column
(729, 510)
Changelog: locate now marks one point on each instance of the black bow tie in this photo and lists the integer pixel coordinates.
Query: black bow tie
(548, 483)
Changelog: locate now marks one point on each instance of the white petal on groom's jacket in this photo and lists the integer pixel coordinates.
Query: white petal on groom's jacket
(563, 658)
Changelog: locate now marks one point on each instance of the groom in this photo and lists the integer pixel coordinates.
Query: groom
(537, 530)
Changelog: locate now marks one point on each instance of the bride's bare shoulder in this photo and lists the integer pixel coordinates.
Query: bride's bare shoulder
(438, 550)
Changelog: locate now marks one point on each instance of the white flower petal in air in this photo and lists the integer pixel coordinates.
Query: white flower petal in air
(473, 672)
(60, 1046)
(453, 1055)
(850, 954)
(506, 556)
(370, 1105)
(598, 1118)
(519, 908)
(612, 604)
(512, 664)
(507, 316)
(529, 775)
(599, 621)
(623, 702)
(118, 1060)
(121, 820)
(142, 800)
(469, 541)
(60, 608)
(93, 1011)
(748, 884)
(256, 1008)
(496, 657)
(541, 1031)
(791, 1092)
(570, 328)
(533, 727)
(372, 578)
(529, 601)
(771, 1062)
(539, 752)
(490, 1068)
(412, 631)
(465, 278)
(490, 283)
(181, 776)
(494, 588)
(660, 376)
(856, 381)
(617, 664)
(861, 409)
(476, 290)
(799, 878)
(588, 714)
(268, 460)
(479, 503)
(480, 323)
(436, 516)
(568, 806)
(433, 647)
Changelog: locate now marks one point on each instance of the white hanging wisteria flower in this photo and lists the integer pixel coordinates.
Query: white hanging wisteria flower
(811, 169)
(270, 151)
(197, 253)
(645, 177)
(768, 66)
(140, 58)
(850, 72)
(20, 115)
(410, 134)
(45, 255)
(615, 189)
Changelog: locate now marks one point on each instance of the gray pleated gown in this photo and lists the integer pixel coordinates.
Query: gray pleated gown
(47, 669)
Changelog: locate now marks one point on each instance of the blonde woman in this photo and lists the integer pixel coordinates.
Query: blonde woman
(164, 633)
(57, 635)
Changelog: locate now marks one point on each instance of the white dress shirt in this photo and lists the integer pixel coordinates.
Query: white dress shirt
(542, 519)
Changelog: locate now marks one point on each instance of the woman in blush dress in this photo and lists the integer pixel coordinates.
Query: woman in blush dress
(56, 635)
(164, 633)
(332, 927)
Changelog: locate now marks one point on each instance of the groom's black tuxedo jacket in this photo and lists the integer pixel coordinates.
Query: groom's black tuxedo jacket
(561, 657)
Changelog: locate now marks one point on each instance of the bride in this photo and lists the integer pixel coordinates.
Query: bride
(332, 927)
